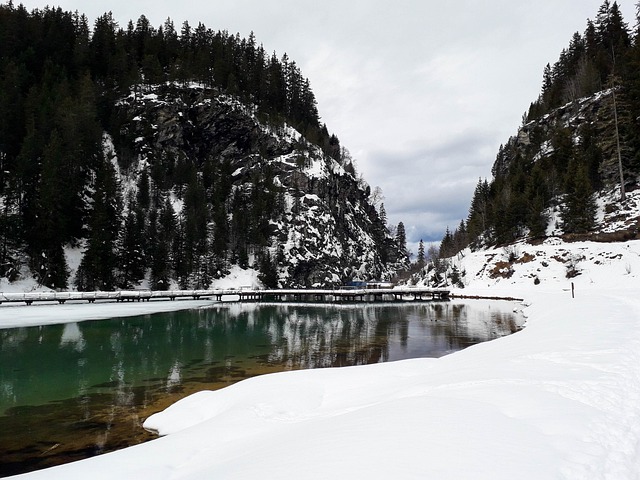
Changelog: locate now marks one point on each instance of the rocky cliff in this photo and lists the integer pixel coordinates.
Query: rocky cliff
(272, 199)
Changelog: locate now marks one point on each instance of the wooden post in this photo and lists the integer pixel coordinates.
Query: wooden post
(572, 291)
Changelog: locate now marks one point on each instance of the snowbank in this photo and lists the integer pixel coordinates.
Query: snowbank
(17, 315)
(238, 277)
(560, 399)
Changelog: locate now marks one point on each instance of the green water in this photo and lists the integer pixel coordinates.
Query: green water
(80, 389)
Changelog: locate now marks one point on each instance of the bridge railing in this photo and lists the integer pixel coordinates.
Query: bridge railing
(241, 293)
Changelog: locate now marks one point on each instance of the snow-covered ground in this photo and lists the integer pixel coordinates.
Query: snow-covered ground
(560, 399)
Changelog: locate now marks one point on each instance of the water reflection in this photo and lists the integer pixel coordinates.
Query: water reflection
(76, 390)
(72, 336)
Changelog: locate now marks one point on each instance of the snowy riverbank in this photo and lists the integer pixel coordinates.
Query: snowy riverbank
(560, 399)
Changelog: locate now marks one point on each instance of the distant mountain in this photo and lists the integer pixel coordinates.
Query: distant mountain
(166, 158)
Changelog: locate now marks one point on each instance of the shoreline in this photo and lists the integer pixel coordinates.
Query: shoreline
(512, 394)
(558, 399)
(18, 315)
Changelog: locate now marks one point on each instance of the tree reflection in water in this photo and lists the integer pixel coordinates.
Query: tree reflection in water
(80, 389)
(304, 336)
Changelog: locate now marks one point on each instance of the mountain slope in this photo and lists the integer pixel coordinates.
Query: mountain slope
(146, 156)
(285, 198)
(571, 171)
(579, 140)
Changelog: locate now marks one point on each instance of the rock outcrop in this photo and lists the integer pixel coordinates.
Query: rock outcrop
(308, 211)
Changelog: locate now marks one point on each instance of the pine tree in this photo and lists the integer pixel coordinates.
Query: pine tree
(421, 258)
(579, 211)
(47, 257)
(131, 259)
(537, 195)
(612, 33)
(81, 136)
(165, 226)
(401, 240)
(143, 190)
(455, 277)
(103, 47)
(195, 219)
(479, 218)
(383, 214)
(614, 128)
(447, 247)
(631, 92)
(548, 82)
(97, 270)
(268, 271)
(460, 237)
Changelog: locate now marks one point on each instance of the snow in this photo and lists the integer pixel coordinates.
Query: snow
(560, 399)
(18, 315)
(237, 277)
(14, 315)
(316, 169)
(176, 203)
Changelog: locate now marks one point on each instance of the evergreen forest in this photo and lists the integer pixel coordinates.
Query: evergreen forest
(579, 139)
(69, 95)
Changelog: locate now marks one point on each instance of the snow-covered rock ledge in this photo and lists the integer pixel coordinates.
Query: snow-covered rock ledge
(560, 399)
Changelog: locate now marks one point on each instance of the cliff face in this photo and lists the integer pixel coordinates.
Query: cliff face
(589, 119)
(272, 199)
(561, 174)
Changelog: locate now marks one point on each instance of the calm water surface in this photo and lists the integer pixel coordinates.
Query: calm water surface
(76, 390)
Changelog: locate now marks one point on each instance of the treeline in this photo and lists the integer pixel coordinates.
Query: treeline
(567, 148)
(60, 80)
(592, 62)
(54, 42)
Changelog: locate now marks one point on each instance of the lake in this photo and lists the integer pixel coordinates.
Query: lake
(76, 390)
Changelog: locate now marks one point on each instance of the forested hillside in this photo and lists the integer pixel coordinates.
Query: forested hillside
(576, 157)
(169, 156)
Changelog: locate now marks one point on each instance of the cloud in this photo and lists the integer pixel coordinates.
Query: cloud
(431, 186)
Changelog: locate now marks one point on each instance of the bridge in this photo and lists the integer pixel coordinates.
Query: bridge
(396, 294)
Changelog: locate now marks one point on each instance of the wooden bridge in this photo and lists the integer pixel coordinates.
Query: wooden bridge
(238, 294)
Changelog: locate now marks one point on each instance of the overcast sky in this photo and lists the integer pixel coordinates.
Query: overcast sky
(422, 93)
